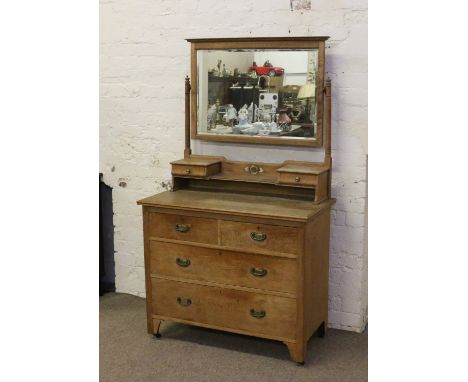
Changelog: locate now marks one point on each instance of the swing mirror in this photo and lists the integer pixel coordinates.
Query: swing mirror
(258, 91)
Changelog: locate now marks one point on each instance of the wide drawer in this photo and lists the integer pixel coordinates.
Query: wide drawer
(225, 308)
(186, 228)
(225, 267)
(259, 237)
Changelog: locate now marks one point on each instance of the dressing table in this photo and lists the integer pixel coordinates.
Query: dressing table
(243, 246)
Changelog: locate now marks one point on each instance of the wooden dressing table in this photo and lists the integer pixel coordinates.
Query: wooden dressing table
(240, 246)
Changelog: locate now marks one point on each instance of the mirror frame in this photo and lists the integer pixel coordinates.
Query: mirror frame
(259, 43)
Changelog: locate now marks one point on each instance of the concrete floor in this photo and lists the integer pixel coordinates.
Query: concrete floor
(188, 353)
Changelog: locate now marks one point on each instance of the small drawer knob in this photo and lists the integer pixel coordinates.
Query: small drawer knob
(184, 301)
(187, 171)
(297, 179)
(257, 313)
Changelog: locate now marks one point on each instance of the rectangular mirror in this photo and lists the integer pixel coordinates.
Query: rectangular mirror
(258, 90)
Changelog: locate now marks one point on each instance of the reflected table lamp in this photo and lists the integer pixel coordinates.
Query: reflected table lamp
(307, 92)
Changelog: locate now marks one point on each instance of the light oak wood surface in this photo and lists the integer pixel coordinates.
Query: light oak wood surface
(272, 276)
(180, 227)
(243, 246)
(225, 267)
(223, 307)
(237, 204)
(298, 179)
(259, 237)
(303, 169)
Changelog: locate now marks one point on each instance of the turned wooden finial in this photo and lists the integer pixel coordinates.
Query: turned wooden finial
(328, 118)
(187, 150)
(187, 85)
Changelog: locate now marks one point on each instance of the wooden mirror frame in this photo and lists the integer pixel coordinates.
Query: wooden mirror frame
(259, 43)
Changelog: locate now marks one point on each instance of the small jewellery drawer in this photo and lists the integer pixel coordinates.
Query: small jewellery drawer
(188, 170)
(226, 308)
(186, 228)
(224, 267)
(298, 179)
(259, 237)
(195, 167)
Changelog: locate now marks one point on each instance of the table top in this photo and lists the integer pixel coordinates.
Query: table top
(237, 204)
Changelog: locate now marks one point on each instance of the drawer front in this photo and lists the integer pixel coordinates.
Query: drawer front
(187, 228)
(187, 170)
(298, 179)
(259, 237)
(202, 264)
(227, 308)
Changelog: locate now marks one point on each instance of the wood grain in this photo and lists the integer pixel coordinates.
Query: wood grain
(277, 238)
(201, 230)
(194, 170)
(244, 205)
(231, 268)
(225, 307)
(316, 273)
(187, 150)
(147, 255)
(298, 179)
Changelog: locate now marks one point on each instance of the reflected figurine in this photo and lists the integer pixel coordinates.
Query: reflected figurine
(253, 112)
(211, 119)
(283, 120)
(231, 115)
(243, 116)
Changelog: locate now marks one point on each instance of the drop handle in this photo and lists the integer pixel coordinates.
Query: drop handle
(262, 272)
(183, 262)
(258, 236)
(184, 301)
(182, 227)
(257, 313)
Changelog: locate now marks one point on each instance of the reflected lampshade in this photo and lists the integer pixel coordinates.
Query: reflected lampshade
(306, 91)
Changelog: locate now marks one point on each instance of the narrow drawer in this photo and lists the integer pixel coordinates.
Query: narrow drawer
(259, 237)
(187, 228)
(225, 308)
(196, 168)
(298, 179)
(224, 267)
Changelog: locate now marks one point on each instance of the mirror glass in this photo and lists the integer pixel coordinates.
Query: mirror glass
(258, 93)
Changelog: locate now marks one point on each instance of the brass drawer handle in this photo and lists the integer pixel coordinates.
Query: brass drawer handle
(183, 263)
(187, 171)
(257, 313)
(184, 301)
(182, 227)
(258, 236)
(297, 179)
(258, 272)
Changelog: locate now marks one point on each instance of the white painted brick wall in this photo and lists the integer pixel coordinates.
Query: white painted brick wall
(143, 61)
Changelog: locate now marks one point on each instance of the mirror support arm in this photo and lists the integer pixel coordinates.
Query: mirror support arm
(187, 150)
(328, 157)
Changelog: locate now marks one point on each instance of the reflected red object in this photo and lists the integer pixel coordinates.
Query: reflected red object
(267, 70)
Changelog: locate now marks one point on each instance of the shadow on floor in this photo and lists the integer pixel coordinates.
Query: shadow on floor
(189, 353)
